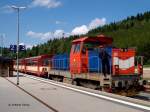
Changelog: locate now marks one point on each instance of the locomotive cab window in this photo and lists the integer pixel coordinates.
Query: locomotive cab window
(76, 48)
(91, 45)
(84, 50)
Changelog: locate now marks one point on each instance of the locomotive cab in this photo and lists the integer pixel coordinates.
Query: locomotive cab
(79, 59)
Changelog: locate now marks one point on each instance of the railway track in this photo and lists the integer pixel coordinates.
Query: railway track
(143, 96)
(136, 103)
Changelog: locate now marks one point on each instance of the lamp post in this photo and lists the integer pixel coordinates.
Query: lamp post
(18, 11)
(1, 36)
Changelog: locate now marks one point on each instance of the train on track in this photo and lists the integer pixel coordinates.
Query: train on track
(93, 62)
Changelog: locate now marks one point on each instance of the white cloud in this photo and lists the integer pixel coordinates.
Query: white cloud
(58, 33)
(59, 22)
(46, 3)
(21, 44)
(28, 46)
(42, 36)
(83, 29)
(97, 22)
(47, 35)
(80, 30)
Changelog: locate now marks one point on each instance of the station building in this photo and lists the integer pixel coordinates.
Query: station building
(6, 67)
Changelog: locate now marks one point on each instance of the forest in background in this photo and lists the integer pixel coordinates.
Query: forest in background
(134, 31)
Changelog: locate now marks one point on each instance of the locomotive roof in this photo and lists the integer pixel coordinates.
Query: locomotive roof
(100, 38)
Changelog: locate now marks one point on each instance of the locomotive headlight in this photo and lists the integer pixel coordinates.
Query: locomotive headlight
(44, 69)
(74, 60)
(116, 66)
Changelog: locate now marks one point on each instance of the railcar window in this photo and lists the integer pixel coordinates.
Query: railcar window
(45, 62)
(19, 62)
(31, 62)
(34, 63)
(28, 62)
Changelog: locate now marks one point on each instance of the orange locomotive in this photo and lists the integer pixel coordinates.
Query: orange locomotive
(95, 64)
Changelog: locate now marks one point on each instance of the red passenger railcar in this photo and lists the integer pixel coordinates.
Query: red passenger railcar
(38, 65)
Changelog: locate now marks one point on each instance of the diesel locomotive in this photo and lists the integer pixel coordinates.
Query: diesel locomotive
(93, 62)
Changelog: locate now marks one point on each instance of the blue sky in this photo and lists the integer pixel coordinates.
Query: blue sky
(47, 19)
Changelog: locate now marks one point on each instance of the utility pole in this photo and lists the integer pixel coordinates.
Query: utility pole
(63, 35)
(1, 44)
(18, 11)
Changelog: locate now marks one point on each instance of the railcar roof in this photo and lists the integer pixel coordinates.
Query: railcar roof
(35, 57)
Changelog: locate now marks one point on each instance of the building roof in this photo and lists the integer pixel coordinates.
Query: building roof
(5, 59)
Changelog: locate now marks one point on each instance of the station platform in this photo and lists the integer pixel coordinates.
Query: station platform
(13, 99)
(146, 73)
(37, 96)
